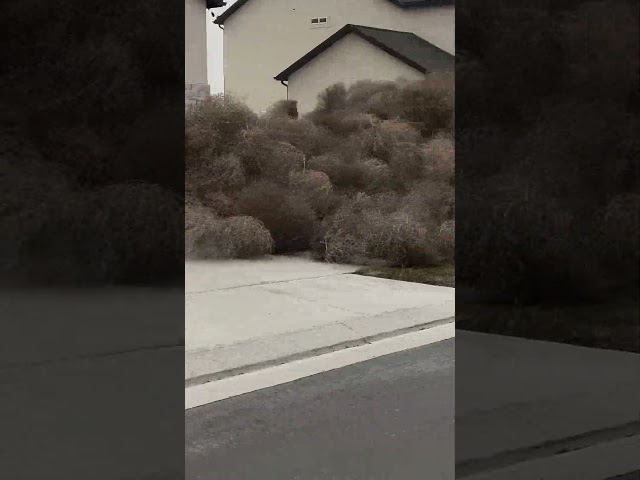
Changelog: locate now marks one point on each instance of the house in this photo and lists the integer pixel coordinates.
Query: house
(357, 52)
(196, 84)
(311, 44)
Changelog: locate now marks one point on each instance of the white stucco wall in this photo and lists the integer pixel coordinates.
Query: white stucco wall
(266, 36)
(195, 42)
(347, 61)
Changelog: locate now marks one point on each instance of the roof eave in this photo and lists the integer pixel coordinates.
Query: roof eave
(390, 51)
(230, 11)
(427, 3)
(328, 43)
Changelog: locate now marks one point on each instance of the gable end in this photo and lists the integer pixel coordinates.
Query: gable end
(375, 36)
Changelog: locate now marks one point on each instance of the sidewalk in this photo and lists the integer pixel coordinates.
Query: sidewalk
(524, 403)
(243, 315)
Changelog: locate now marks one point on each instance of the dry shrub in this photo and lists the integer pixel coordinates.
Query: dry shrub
(377, 177)
(208, 236)
(400, 239)
(406, 163)
(342, 111)
(440, 81)
(361, 92)
(347, 174)
(355, 122)
(324, 204)
(27, 183)
(448, 238)
(153, 152)
(219, 203)
(439, 159)
(433, 108)
(221, 173)
(429, 103)
(235, 237)
(266, 158)
(333, 112)
(384, 105)
(197, 218)
(213, 127)
(403, 131)
(332, 99)
(386, 202)
(140, 226)
(490, 147)
(317, 190)
(124, 233)
(302, 134)
(196, 215)
(618, 223)
(343, 123)
(191, 200)
(430, 201)
(380, 140)
(354, 235)
(288, 218)
(355, 179)
(310, 180)
(448, 230)
(283, 109)
(35, 194)
(520, 218)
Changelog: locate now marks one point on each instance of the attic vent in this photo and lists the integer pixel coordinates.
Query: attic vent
(320, 21)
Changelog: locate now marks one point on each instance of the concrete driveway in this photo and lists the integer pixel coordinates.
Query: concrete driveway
(250, 313)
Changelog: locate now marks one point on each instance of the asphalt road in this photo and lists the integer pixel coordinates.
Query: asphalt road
(388, 418)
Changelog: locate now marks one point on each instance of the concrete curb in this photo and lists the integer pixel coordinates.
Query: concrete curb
(208, 393)
(317, 337)
(591, 456)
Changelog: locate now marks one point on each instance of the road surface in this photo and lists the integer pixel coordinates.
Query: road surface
(388, 418)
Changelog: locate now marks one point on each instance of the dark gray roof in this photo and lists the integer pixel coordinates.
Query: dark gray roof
(405, 46)
(216, 4)
(401, 3)
(421, 3)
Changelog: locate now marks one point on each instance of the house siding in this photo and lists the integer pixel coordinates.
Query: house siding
(195, 51)
(266, 36)
(349, 60)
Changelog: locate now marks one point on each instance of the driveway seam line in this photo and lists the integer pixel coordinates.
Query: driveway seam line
(261, 284)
